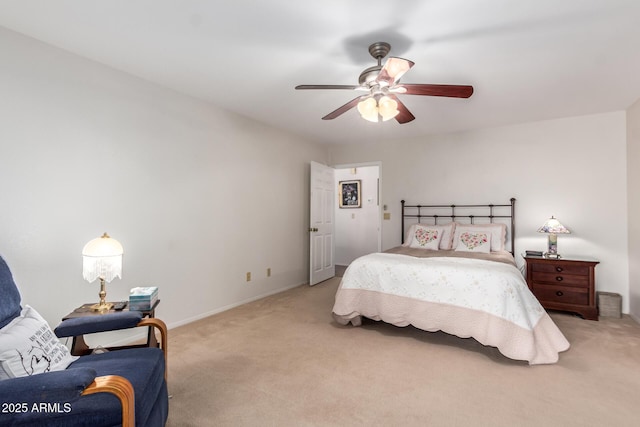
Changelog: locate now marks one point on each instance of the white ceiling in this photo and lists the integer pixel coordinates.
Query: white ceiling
(527, 60)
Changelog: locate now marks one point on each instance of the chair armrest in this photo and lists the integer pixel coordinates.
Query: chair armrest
(93, 324)
(24, 396)
(122, 389)
(49, 387)
(162, 327)
(111, 322)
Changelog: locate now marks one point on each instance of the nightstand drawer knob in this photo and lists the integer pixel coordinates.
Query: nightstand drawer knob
(559, 269)
(559, 293)
(559, 278)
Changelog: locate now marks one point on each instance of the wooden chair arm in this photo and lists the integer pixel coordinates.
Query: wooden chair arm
(162, 327)
(122, 389)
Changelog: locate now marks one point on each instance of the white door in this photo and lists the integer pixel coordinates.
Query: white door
(321, 224)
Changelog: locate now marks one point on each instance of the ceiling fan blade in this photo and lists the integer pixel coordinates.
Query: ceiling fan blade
(349, 87)
(393, 69)
(346, 107)
(452, 91)
(404, 115)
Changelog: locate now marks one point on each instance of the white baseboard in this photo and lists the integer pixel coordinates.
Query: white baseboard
(230, 306)
(134, 335)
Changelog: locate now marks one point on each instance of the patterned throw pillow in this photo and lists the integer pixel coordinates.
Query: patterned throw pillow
(28, 346)
(497, 232)
(471, 241)
(425, 237)
(446, 240)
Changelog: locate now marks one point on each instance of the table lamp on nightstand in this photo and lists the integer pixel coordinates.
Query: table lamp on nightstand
(553, 227)
(102, 259)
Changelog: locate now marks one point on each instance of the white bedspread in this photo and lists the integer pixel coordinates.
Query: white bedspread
(487, 300)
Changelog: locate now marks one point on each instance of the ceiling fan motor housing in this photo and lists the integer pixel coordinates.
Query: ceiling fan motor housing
(369, 76)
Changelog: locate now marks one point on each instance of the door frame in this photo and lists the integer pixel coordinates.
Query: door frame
(380, 204)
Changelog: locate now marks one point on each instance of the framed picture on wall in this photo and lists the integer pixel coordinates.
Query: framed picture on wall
(349, 192)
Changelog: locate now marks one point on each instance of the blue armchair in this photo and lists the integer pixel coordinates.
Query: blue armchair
(125, 387)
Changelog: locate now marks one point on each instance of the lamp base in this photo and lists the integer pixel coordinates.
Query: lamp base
(102, 306)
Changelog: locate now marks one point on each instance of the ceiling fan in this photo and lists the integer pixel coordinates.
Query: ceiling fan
(381, 84)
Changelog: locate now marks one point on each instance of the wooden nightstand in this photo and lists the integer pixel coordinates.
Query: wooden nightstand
(566, 284)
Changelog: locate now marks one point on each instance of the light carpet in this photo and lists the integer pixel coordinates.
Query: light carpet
(284, 361)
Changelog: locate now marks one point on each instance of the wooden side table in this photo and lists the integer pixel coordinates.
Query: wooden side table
(566, 284)
(79, 346)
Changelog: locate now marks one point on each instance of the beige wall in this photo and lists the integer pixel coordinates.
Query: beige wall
(196, 195)
(633, 196)
(572, 168)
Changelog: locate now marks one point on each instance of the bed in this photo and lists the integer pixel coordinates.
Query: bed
(454, 272)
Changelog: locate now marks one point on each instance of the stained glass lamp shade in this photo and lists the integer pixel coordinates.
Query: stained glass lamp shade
(553, 227)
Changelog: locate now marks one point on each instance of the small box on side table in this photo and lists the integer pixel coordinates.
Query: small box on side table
(143, 298)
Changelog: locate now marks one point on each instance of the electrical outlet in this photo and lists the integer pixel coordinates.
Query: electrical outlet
(248, 276)
(269, 272)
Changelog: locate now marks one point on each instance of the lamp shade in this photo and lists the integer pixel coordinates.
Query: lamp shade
(368, 109)
(375, 108)
(552, 225)
(388, 108)
(102, 258)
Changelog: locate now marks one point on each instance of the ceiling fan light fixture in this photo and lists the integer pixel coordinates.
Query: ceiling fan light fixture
(388, 108)
(378, 108)
(368, 109)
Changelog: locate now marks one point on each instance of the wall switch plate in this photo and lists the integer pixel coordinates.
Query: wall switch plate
(269, 272)
(387, 215)
(248, 276)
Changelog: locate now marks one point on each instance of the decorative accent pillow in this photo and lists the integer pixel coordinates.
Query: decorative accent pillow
(497, 231)
(426, 237)
(471, 241)
(28, 346)
(445, 240)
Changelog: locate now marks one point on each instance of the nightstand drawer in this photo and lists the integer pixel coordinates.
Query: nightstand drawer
(554, 267)
(562, 294)
(560, 279)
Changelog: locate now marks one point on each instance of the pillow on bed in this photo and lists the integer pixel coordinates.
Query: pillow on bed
(474, 241)
(426, 237)
(445, 241)
(498, 234)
